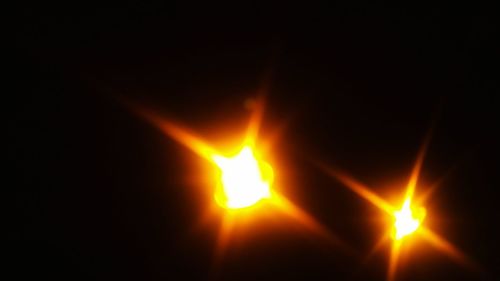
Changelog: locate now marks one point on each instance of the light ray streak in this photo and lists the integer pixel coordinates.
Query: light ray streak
(417, 167)
(377, 246)
(449, 249)
(309, 223)
(393, 260)
(359, 188)
(180, 134)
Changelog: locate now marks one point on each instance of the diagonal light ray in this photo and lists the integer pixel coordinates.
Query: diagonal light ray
(435, 185)
(179, 133)
(449, 249)
(429, 191)
(359, 188)
(377, 246)
(309, 223)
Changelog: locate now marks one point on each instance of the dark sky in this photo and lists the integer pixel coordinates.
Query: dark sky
(100, 194)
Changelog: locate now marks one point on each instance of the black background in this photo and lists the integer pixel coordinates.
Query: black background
(100, 194)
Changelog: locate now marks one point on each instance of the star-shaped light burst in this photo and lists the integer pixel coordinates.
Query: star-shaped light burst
(407, 220)
(243, 180)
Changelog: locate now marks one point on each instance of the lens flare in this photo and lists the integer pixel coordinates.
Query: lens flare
(407, 220)
(243, 181)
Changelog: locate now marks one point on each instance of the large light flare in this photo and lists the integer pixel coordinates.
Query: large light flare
(243, 181)
(407, 220)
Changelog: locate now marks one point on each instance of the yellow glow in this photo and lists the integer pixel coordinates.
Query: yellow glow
(243, 181)
(407, 220)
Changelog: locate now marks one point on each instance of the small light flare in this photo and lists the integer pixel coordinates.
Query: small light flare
(407, 220)
(243, 181)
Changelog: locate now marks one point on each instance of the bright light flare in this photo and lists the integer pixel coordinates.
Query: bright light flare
(243, 181)
(407, 220)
